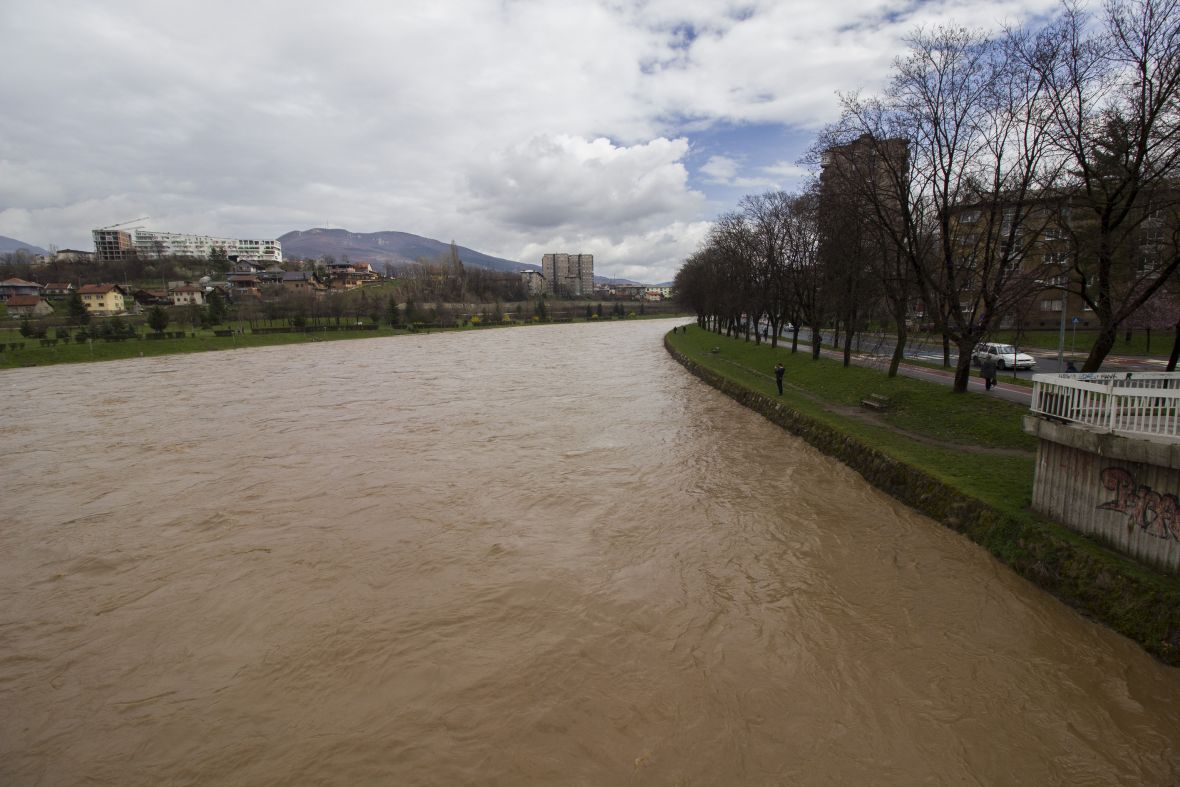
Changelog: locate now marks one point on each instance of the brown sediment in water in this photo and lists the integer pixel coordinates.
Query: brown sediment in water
(517, 557)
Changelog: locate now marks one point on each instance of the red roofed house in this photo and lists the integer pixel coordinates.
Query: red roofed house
(28, 306)
(188, 293)
(10, 287)
(103, 298)
(54, 288)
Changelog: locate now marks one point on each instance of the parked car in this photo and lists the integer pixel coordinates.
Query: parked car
(1004, 355)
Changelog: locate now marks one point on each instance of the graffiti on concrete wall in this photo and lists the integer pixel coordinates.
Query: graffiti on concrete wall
(1154, 513)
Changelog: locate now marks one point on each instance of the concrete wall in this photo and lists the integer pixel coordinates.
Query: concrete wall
(1123, 491)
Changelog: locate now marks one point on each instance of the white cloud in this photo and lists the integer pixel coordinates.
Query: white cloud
(720, 169)
(509, 126)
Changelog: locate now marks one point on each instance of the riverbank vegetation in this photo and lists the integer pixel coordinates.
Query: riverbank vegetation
(963, 460)
(132, 337)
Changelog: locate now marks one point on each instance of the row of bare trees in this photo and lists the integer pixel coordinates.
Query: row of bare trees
(992, 169)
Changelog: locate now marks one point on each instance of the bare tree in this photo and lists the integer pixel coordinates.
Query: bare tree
(958, 207)
(1115, 96)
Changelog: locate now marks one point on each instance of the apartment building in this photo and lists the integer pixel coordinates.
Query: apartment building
(113, 245)
(568, 275)
(1045, 234)
(534, 282)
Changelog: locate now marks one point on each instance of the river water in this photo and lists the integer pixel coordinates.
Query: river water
(544, 555)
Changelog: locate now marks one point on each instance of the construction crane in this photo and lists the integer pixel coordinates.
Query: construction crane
(125, 223)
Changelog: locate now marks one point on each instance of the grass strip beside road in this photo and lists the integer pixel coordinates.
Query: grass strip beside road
(973, 443)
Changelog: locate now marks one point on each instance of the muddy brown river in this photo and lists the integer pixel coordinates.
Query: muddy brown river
(545, 555)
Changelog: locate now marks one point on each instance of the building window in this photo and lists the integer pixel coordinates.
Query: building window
(969, 217)
(1051, 305)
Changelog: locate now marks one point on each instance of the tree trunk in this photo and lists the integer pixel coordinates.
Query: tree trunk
(815, 342)
(795, 336)
(848, 336)
(898, 347)
(963, 368)
(946, 351)
(1102, 344)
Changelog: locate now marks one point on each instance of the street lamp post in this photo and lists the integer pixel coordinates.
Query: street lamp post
(1064, 290)
(1061, 335)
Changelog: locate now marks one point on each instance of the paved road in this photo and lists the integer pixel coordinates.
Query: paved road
(877, 354)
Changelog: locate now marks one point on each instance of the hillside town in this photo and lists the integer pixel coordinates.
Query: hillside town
(131, 271)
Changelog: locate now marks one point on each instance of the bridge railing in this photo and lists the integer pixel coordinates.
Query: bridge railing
(1131, 403)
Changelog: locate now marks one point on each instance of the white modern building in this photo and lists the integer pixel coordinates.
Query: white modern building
(568, 275)
(111, 245)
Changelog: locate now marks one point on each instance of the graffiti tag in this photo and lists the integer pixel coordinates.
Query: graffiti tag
(1155, 514)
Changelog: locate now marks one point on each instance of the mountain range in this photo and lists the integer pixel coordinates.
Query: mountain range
(394, 248)
(9, 245)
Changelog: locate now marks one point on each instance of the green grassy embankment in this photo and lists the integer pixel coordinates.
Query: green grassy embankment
(18, 351)
(961, 459)
(34, 353)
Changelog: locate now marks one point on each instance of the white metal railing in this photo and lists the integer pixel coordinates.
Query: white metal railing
(1133, 403)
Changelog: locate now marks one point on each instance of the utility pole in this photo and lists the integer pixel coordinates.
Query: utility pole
(1061, 335)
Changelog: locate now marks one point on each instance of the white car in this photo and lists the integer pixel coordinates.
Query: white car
(1004, 355)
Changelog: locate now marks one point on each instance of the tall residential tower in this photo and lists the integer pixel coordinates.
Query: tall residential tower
(568, 275)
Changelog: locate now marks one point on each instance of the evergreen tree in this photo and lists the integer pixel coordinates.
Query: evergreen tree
(157, 319)
(78, 314)
(215, 307)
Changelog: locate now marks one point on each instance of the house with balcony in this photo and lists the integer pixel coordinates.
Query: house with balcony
(244, 284)
(349, 275)
(15, 286)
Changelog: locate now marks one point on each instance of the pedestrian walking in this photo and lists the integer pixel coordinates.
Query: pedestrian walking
(987, 370)
(778, 377)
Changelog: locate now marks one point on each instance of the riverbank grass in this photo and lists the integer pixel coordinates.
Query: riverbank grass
(972, 443)
(19, 351)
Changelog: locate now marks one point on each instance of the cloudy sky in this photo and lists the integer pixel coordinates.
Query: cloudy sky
(613, 127)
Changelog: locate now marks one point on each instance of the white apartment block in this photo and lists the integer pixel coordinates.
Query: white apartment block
(568, 275)
(110, 245)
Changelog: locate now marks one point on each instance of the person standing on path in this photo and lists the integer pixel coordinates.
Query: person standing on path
(778, 377)
(987, 370)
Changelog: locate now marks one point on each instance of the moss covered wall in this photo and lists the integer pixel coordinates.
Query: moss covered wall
(1134, 601)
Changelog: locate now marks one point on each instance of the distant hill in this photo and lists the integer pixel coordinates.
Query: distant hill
(395, 248)
(9, 245)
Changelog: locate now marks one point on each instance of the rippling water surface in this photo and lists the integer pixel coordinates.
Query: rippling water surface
(532, 556)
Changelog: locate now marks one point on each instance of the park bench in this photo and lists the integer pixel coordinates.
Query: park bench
(876, 402)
